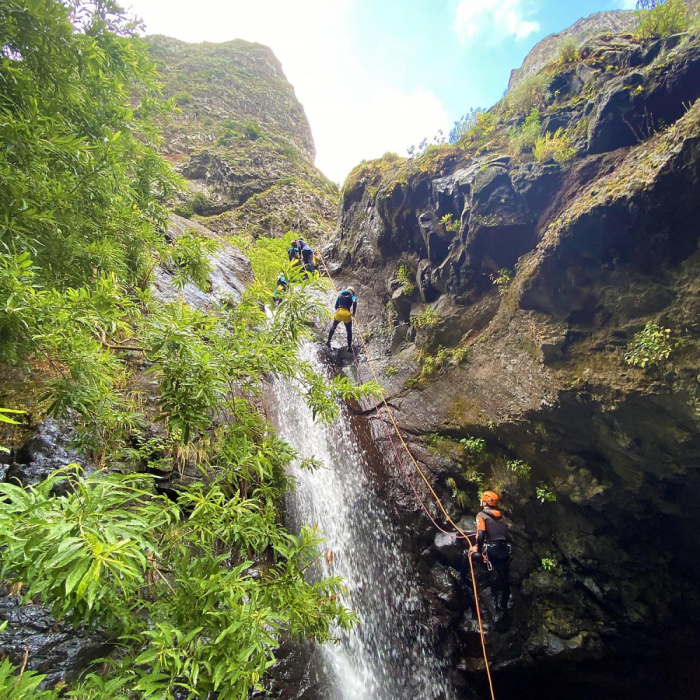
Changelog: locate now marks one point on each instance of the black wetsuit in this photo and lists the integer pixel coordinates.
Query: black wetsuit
(307, 256)
(348, 302)
(492, 539)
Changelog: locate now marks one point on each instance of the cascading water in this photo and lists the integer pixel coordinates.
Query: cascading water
(387, 656)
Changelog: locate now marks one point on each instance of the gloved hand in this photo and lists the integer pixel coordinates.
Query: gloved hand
(473, 550)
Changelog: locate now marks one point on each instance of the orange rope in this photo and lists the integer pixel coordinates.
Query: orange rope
(432, 491)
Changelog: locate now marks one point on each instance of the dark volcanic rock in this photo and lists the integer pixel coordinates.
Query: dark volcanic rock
(56, 649)
(49, 449)
(596, 248)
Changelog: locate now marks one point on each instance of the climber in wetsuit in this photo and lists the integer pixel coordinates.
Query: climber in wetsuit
(306, 255)
(492, 542)
(345, 305)
(293, 252)
(282, 287)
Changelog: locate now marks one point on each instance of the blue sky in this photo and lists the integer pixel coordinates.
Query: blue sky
(379, 75)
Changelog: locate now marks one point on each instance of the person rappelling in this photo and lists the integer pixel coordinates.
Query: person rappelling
(493, 543)
(345, 308)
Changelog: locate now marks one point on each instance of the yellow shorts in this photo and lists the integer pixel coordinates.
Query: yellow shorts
(343, 315)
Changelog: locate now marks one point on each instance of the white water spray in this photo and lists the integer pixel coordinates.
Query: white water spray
(388, 655)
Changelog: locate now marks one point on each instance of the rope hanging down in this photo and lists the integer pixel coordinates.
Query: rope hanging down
(460, 532)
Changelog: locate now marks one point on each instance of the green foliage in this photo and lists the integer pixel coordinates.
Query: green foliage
(190, 260)
(664, 19)
(557, 146)
(465, 124)
(427, 318)
(70, 111)
(183, 98)
(268, 256)
(391, 371)
(529, 93)
(478, 131)
(461, 497)
(406, 278)
(519, 467)
(502, 280)
(450, 225)
(568, 51)
(444, 358)
(475, 447)
(5, 418)
(651, 346)
(24, 687)
(523, 138)
(161, 578)
(545, 493)
(548, 563)
(195, 593)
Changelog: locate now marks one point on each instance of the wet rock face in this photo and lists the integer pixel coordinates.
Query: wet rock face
(597, 249)
(229, 276)
(49, 449)
(51, 647)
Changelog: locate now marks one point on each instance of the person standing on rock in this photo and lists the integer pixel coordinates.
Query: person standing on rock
(293, 252)
(306, 254)
(492, 542)
(345, 308)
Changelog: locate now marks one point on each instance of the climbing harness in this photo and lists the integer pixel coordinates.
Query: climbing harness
(460, 534)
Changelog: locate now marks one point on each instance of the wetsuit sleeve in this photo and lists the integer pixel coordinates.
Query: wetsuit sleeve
(354, 305)
(480, 533)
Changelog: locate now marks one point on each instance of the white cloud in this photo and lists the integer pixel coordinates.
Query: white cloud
(498, 19)
(354, 112)
(627, 4)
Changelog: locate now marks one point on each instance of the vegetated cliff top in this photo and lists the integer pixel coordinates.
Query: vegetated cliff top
(241, 140)
(546, 50)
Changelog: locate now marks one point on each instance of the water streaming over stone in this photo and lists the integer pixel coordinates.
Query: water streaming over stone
(387, 656)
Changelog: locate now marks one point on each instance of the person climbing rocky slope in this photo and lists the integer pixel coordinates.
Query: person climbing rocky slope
(532, 303)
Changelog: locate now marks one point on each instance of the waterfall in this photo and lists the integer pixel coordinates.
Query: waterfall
(388, 655)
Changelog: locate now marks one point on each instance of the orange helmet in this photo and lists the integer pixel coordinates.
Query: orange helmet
(490, 498)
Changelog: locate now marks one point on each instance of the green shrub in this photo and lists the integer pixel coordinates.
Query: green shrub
(529, 93)
(450, 225)
(475, 447)
(478, 132)
(523, 138)
(651, 346)
(460, 496)
(426, 318)
(557, 146)
(519, 467)
(406, 278)
(664, 19)
(183, 98)
(548, 563)
(4, 418)
(502, 280)
(190, 259)
(568, 51)
(545, 493)
(445, 357)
